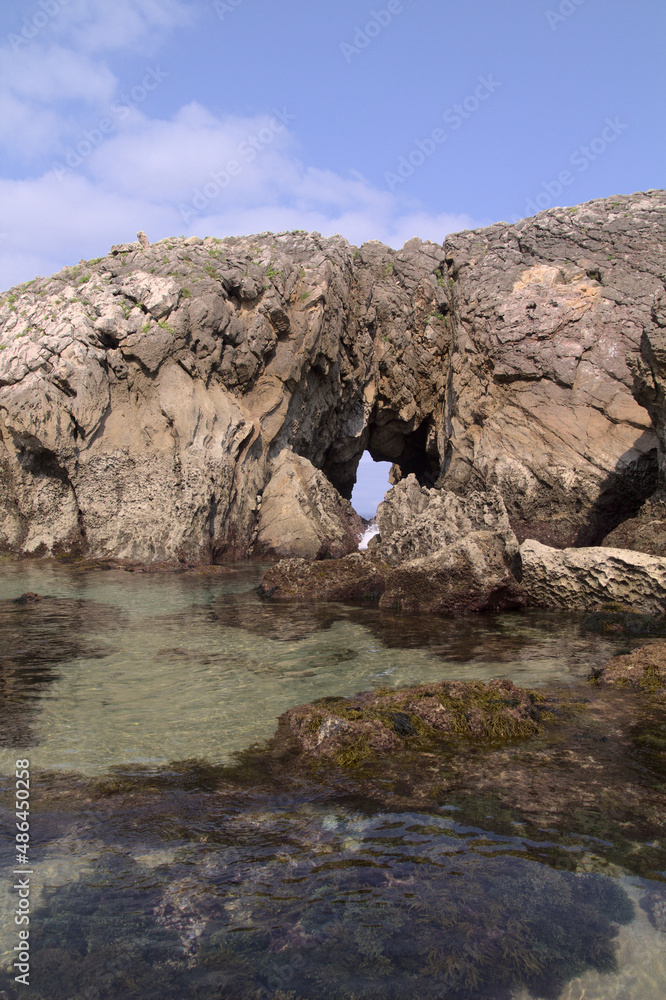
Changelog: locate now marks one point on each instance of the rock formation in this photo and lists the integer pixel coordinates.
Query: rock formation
(438, 553)
(585, 578)
(644, 669)
(159, 404)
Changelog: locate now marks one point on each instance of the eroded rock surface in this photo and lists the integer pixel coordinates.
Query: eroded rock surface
(147, 399)
(302, 515)
(547, 319)
(646, 532)
(415, 521)
(589, 578)
(437, 553)
(147, 396)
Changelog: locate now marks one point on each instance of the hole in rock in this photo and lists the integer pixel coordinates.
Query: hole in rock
(372, 482)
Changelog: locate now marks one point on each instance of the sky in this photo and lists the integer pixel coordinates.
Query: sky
(382, 120)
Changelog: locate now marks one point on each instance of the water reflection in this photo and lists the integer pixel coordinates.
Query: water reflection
(120, 667)
(172, 859)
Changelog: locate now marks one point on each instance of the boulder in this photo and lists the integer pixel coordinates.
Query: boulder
(643, 669)
(355, 577)
(350, 731)
(437, 554)
(591, 578)
(646, 532)
(471, 575)
(414, 521)
(301, 514)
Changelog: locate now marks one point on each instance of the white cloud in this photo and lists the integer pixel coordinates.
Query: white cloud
(159, 176)
(138, 25)
(26, 130)
(53, 74)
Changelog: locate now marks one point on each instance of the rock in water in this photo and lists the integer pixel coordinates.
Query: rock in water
(437, 553)
(150, 397)
(588, 578)
(303, 515)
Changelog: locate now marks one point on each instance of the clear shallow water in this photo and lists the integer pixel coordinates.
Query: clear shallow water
(190, 667)
(163, 880)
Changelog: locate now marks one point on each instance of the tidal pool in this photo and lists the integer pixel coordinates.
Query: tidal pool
(173, 858)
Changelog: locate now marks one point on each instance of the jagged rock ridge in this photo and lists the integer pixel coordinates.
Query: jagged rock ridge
(151, 399)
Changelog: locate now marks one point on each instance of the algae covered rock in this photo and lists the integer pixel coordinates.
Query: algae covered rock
(644, 669)
(350, 730)
(357, 576)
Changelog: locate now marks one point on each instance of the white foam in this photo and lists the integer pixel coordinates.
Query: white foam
(369, 533)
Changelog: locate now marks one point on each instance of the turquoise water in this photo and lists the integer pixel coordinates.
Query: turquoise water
(166, 865)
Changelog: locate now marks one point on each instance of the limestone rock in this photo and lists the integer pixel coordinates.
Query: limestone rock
(355, 577)
(351, 730)
(146, 397)
(471, 575)
(546, 322)
(415, 521)
(303, 515)
(589, 578)
(646, 532)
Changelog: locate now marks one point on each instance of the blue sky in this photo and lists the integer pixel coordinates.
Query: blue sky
(381, 120)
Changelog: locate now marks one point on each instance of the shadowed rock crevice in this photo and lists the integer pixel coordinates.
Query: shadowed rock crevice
(621, 496)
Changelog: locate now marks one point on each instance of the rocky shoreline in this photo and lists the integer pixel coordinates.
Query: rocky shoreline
(199, 401)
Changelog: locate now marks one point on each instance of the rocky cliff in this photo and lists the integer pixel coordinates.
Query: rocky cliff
(201, 399)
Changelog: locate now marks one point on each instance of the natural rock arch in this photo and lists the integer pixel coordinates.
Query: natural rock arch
(150, 401)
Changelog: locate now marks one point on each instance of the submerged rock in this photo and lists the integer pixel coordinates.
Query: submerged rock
(349, 730)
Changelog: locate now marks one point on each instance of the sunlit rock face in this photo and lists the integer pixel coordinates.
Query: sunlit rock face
(151, 399)
(547, 321)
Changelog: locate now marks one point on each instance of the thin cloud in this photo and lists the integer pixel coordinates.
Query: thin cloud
(96, 26)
